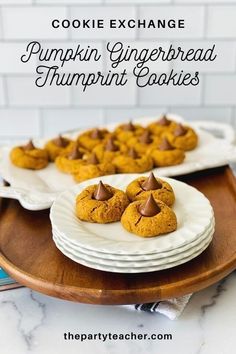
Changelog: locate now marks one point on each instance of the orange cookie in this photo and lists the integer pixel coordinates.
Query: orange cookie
(124, 132)
(183, 137)
(132, 162)
(101, 204)
(142, 187)
(70, 162)
(111, 148)
(144, 143)
(92, 138)
(167, 155)
(58, 146)
(149, 218)
(161, 126)
(29, 157)
(92, 168)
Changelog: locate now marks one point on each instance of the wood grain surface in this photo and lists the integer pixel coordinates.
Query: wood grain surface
(29, 255)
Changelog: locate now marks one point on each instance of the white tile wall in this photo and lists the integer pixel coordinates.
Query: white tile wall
(15, 2)
(220, 90)
(221, 22)
(137, 1)
(32, 22)
(224, 62)
(170, 95)
(10, 62)
(26, 110)
(193, 15)
(106, 96)
(218, 114)
(56, 2)
(60, 120)
(131, 113)
(22, 92)
(19, 123)
(2, 93)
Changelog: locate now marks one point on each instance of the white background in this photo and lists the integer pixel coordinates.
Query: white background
(28, 111)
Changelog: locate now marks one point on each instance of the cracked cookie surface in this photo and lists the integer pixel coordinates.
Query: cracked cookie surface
(97, 211)
(145, 226)
(165, 193)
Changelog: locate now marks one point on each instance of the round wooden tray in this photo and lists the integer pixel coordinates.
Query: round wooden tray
(28, 254)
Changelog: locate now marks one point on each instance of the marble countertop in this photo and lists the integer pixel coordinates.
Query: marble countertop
(34, 323)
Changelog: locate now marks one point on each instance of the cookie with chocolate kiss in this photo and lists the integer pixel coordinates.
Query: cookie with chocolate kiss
(126, 131)
(132, 162)
(109, 149)
(162, 125)
(29, 157)
(167, 155)
(142, 187)
(143, 143)
(71, 161)
(149, 218)
(183, 137)
(29, 146)
(101, 204)
(92, 167)
(58, 146)
(101, 192)
(91, 138)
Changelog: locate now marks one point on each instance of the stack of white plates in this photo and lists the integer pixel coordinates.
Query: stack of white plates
(109, 247)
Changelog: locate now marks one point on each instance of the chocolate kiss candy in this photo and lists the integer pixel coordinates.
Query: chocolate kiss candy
(165, 145)
(96, 134)
(149, 208)
(93, 160)
(75, 154)
(180, 130)
(145, 138)
(102, 193)
(164, 121)
(29, 146)
(60, 141)
(128, 127)
(132, 153)
(110, 146)
(151, 183)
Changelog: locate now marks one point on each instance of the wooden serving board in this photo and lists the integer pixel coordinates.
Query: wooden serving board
(29, 255)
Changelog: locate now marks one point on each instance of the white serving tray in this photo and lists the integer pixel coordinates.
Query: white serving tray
(36, 190)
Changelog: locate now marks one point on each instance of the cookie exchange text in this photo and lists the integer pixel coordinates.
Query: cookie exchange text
(119, 23)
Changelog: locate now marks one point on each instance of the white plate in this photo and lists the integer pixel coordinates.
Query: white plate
(114, 269)
(134, 263)
(144, 257)
(50, 180)
(193, 210)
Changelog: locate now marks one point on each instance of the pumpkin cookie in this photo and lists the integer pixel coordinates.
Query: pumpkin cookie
(161, 126)
(142, 187)
(29, 157)
(183, 137)
(70, 162)
(101, 204)
(132, 163)
(58, 146)
(144, 143)
(92, 138)
(124, 132)
(167, 155)
(92, 168)
(149, 218)
(109, 149)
